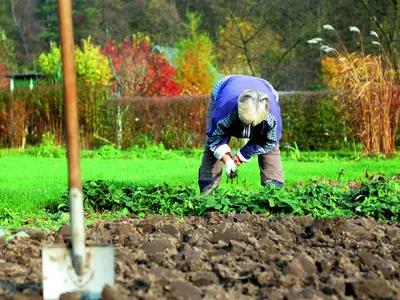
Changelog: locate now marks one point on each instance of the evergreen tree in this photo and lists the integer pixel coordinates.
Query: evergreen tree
(194, 60)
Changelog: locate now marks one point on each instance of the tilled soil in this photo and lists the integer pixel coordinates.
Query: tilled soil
(239, 256)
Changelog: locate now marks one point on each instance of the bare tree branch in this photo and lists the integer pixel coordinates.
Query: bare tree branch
(281, 59)
(244, 41)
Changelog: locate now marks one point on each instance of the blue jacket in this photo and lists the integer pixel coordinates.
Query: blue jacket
(225, 121)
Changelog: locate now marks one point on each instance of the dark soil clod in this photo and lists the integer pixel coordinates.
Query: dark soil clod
(222, 256)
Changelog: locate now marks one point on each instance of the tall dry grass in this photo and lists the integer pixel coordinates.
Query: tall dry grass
(371, 100)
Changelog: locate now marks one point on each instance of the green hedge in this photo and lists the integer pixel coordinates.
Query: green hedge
(310, 120)
(313, 122)
(25, 115)
(177, 122)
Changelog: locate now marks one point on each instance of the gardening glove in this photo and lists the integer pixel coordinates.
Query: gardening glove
(230, 168)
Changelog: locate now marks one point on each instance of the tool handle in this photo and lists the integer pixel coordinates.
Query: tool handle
(72, 134)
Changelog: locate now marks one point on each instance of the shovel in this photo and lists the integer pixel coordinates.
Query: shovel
(77, 268)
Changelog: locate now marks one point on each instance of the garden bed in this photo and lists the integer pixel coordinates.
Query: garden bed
(226, 256)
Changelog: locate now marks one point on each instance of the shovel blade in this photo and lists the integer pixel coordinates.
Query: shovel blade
(59, 275)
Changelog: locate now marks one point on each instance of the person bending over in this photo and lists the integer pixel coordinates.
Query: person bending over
(244, 107)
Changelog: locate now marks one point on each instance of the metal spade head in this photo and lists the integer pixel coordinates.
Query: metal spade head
(59, 275)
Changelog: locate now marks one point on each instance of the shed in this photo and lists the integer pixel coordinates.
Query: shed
(23, 80)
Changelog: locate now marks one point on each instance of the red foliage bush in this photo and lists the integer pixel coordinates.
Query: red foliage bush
(139, 71)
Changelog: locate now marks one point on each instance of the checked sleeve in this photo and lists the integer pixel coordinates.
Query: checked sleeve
(219, 139)
(261, 143)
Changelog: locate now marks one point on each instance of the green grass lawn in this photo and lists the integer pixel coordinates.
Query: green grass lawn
(28, 183)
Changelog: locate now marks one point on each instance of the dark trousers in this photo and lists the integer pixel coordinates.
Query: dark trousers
(210, 171)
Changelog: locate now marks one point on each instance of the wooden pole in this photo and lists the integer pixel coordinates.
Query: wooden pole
(72, 132)
(70, 94)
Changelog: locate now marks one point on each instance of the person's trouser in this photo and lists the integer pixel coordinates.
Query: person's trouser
(271, 168)
(210, 170)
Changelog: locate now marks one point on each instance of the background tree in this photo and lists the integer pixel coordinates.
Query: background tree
(7, 53)
(235, 58)
(139, 70)
(283, 26)
(84, 17)
(92, 66)
(213, 15)
(293, 66)
(247, 25)
(50, 64)
(24, 32)
(194, 60)
(47, 16)
(114, 18)
(161, 22)
(259, 34)
(158, 19)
